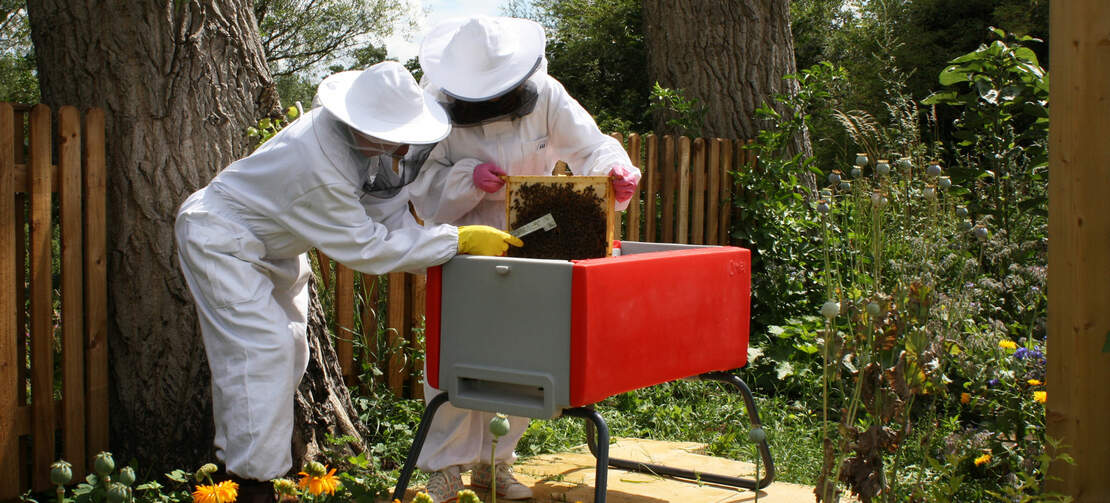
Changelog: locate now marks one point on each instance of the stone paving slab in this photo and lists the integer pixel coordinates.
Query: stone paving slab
(569, 477)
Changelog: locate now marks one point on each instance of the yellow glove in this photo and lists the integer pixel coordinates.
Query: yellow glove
(485, 240)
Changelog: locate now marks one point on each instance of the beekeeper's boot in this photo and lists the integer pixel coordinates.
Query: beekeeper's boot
(508, 487)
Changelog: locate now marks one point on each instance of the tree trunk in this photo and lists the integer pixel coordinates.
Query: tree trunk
(179, 81)
(730, 56)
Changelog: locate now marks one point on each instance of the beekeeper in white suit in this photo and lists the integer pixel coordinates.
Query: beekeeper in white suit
(509, 118)
(324, 181)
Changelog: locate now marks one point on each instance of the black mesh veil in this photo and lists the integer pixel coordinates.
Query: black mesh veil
(384, 174)
(388, 174)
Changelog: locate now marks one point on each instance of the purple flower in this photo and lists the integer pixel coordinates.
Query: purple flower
(1021, 353)
(992, 383)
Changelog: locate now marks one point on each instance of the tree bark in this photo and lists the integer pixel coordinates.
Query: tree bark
(179, 82)
(730, 56)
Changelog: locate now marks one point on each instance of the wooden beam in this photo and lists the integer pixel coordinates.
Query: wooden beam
(1078, 408)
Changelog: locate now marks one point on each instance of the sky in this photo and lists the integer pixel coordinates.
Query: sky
(436, 11)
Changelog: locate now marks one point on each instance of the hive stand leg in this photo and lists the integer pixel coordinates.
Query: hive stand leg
(753, 415)
(599, 448)
(417, 444)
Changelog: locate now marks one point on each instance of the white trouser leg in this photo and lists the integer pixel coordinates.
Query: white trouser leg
(461, 437)
(252, 316)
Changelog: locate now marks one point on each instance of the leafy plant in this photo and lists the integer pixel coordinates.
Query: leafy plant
(1002, 93)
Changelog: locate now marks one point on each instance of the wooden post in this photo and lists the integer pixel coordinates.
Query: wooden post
(1078, 408)
(9, 350)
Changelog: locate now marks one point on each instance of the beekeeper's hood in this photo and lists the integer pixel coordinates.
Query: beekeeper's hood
(379, 115)
(482, 65)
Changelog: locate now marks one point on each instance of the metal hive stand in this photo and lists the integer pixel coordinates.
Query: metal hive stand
(597, 437)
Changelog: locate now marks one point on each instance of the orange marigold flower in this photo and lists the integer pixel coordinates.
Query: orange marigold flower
(1040, 396)
(223, 492)
(326, 483)
(965, 397)
(982, 460)
(1034, 382)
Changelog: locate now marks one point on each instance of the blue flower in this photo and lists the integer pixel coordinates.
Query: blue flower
(992, 383)
(1021, 353)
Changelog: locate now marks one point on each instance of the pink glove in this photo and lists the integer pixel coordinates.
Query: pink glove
(625, 179)
(487, 177)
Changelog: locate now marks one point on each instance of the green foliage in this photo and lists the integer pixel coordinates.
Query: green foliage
(776, 224)
(596, 50)
(304, 35)
(266, 127)
(18, 78)
(686, 115)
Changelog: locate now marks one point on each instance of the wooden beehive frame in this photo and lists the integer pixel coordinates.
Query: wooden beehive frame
(601, 185)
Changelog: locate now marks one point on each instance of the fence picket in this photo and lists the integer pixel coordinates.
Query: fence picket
(73, 344)
(697, 206)
(670, 185)
(398, 331)
(419, 287)
(725, 197)
(652, 187)
(369, 315)
(713, 191)
(632, 215)
(42, 322)
(96, 285)
(682, 213)
(345, 321)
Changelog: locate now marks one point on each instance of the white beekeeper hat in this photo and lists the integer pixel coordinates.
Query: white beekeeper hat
(385, 102)
(480, 58)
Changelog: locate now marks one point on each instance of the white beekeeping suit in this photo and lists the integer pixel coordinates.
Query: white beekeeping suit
(509, 117)
(539, 124)
(324, 181)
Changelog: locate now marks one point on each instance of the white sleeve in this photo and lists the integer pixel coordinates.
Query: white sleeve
(445, 191)
(332, 219)
(577, 139)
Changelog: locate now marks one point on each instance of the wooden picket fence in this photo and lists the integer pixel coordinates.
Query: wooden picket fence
(685, 196)
(53, 309)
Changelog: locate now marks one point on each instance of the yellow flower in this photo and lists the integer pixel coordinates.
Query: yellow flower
(982, 460)
(326, 483)
(1040, 396)
(1034, 382)
(965, 397)
(1007, 344)
(223, 492)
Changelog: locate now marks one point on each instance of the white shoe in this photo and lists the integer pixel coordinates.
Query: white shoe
(508, 486)
(444, 485)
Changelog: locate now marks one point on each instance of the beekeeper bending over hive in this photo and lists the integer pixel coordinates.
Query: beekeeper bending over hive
(509, 117)
(325, 181)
